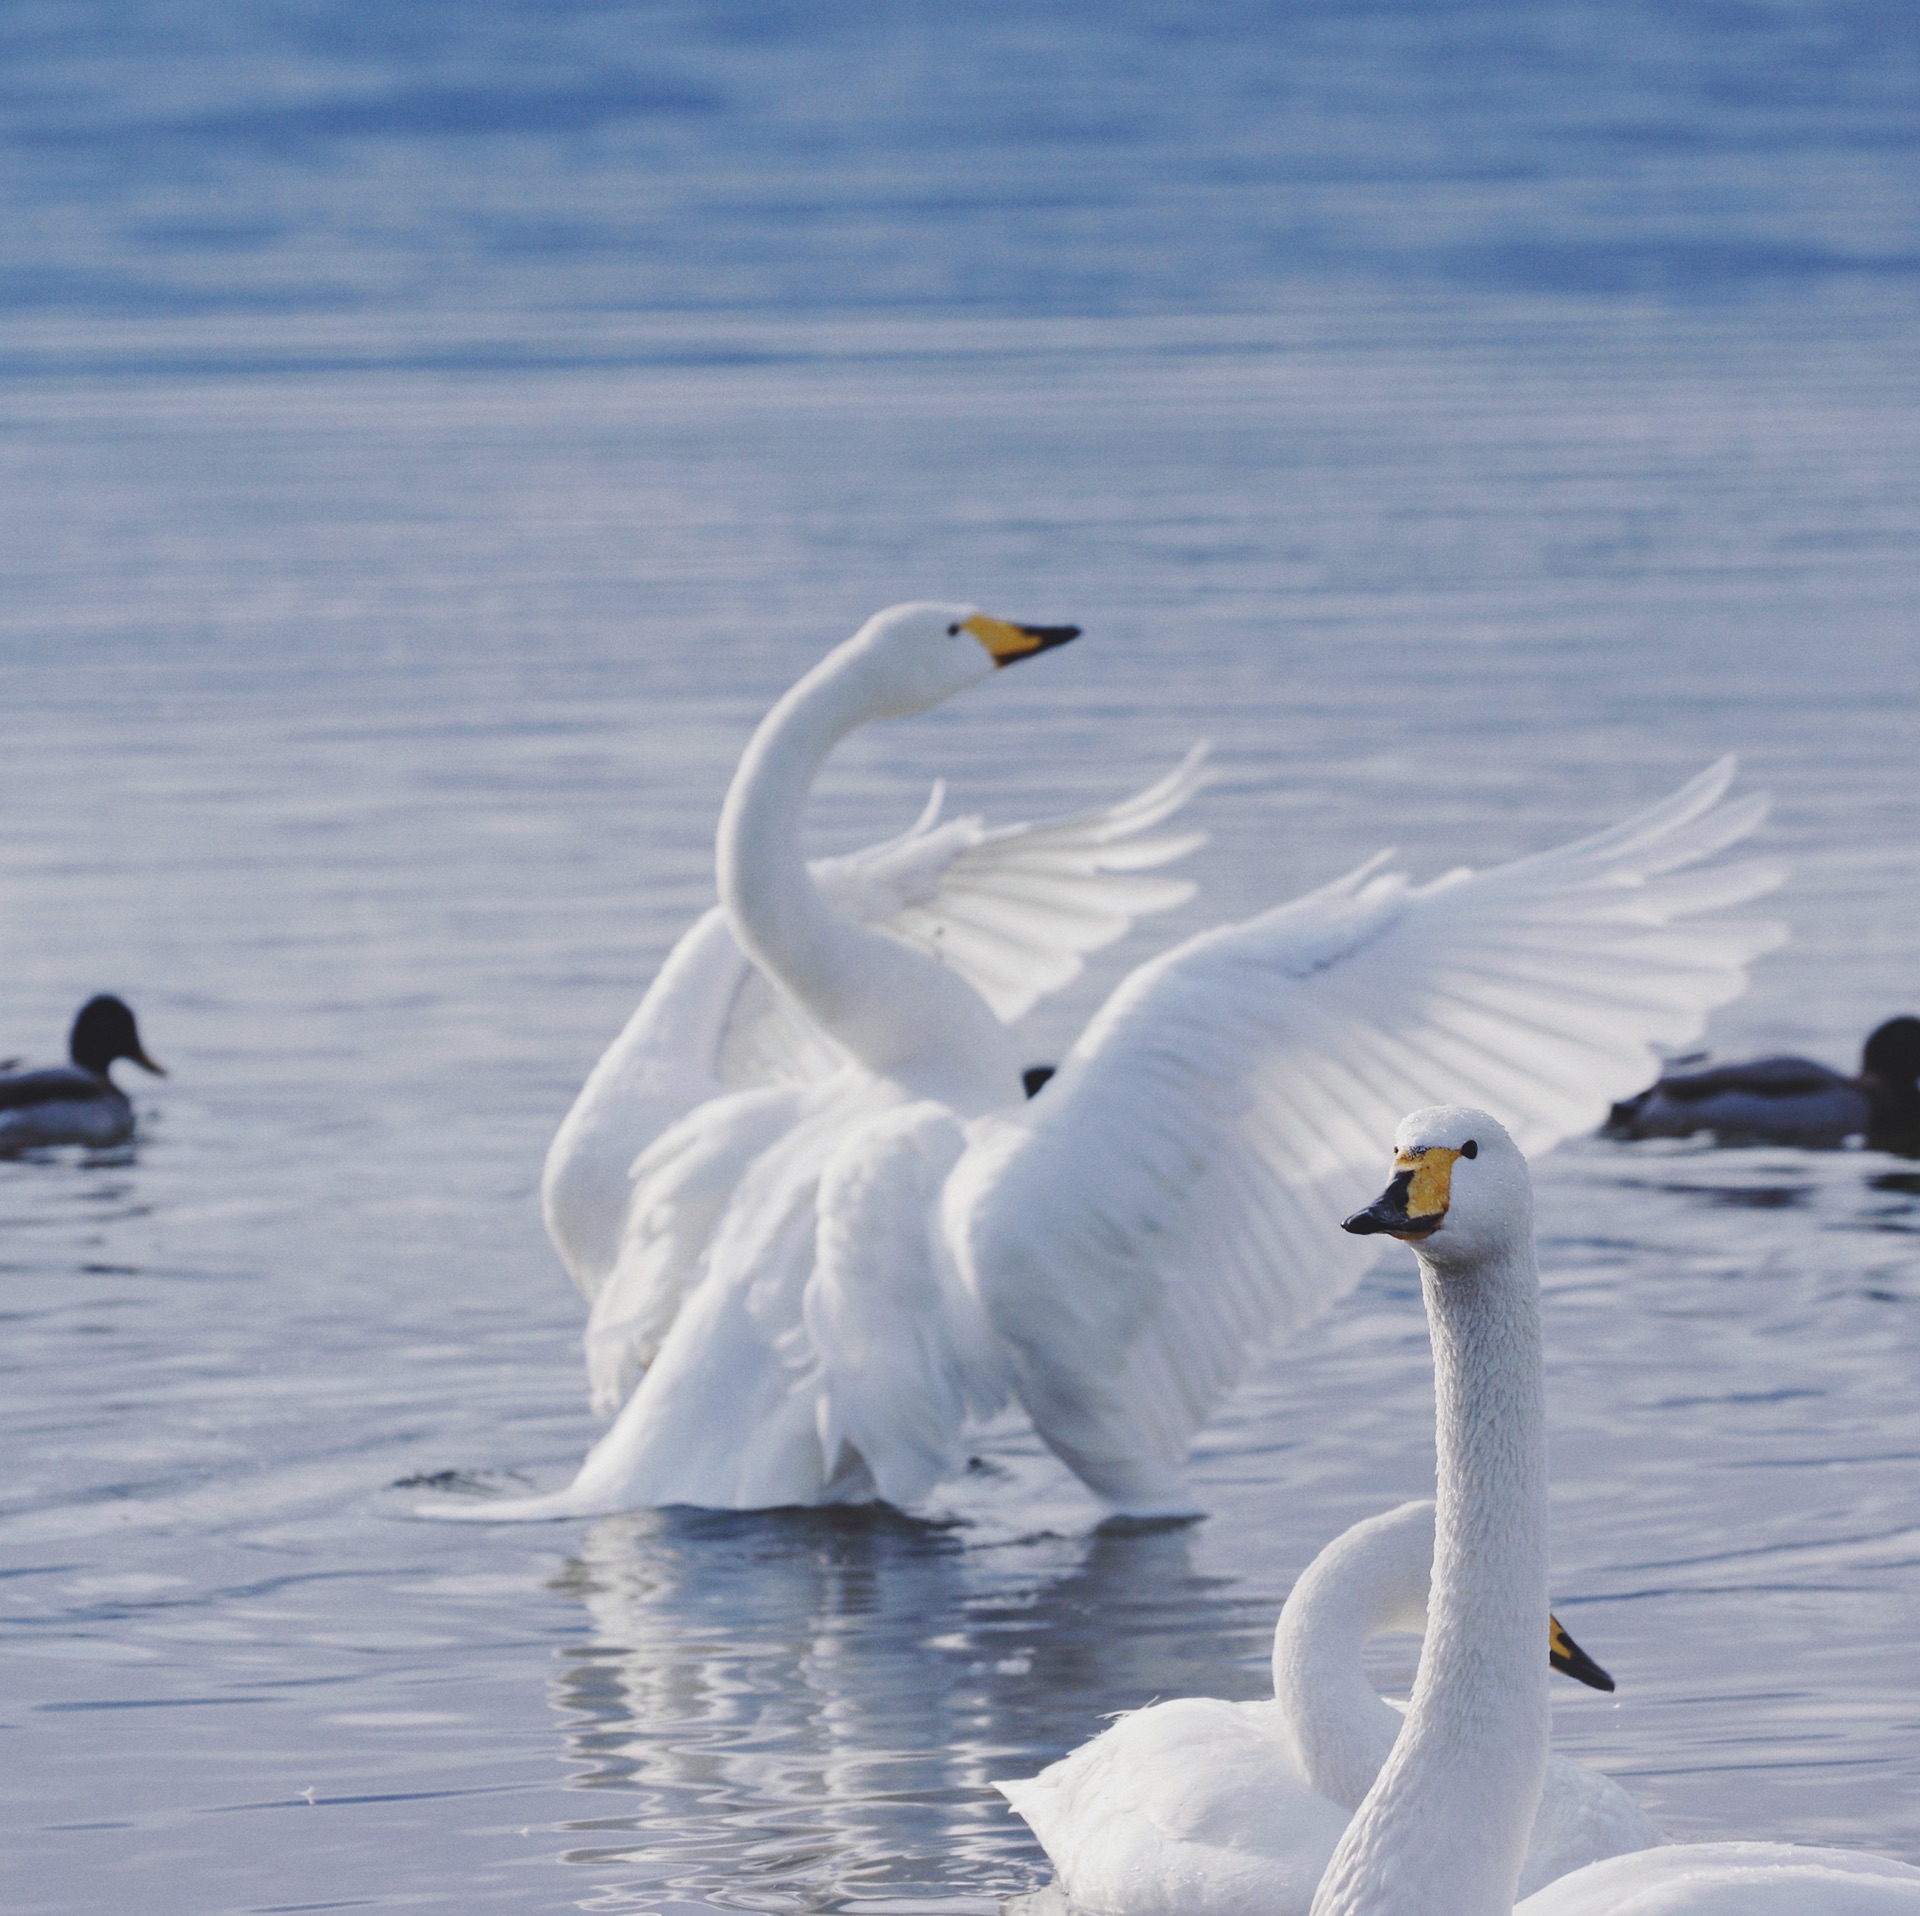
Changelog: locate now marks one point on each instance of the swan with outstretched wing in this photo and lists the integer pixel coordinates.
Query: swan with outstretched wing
(628, 1187)
(822, 1226)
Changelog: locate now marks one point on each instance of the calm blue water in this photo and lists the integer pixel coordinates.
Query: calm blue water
(429, 438)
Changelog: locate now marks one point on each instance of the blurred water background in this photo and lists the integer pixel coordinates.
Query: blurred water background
(430, 435)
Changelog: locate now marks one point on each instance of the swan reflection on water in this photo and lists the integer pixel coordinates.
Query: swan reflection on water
(840, 1684)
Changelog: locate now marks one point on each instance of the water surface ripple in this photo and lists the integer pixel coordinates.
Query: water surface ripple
(427, 453)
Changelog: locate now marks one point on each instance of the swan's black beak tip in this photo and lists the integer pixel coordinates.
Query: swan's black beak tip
(1046, 637)
(1387, 1214)
(1009, 642)
(1569, 1659)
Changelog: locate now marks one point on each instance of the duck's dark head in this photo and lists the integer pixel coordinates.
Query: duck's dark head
(1892, 1058)
(103, 1031)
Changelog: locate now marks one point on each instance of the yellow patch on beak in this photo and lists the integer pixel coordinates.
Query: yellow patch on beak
(1006, 642)
(1432, 1188)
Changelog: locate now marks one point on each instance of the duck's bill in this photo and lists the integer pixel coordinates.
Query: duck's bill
(1388, 1215)
(1009, 642)
(138, 1056)
(1569, 1659)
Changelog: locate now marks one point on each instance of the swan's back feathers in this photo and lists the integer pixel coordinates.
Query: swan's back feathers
(1167, 1206)
(1582, 1814)
(1733, 1879)
(1194, 1805)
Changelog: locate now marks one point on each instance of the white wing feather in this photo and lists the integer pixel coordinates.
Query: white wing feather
(1171, 1202)
(904, 1354)
(682, 1183)
(1015, 911)
(630, 1202)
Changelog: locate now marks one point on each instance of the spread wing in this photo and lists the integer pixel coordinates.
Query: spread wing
(1013, 910)
(1170, 1203)
(680, 1187)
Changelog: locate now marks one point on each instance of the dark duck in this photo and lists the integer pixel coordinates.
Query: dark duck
(77, 1102)
(1791, 1100)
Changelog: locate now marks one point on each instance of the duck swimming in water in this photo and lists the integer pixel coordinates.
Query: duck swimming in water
(76, 1103)
(1791, 1101)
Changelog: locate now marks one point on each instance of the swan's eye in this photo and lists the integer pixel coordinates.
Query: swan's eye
(953, 631)
(1470, 1149)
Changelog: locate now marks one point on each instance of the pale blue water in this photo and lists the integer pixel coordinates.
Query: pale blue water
(429, 437)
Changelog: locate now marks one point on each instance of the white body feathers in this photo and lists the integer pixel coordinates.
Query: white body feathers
(1203, 1808)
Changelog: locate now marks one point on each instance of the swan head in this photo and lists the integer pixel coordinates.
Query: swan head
(914, 656)
(1460, 1189)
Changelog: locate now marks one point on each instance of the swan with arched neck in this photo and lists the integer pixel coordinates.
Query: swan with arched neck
(1199, 1807)
(823, 1227)
(1443, 1831)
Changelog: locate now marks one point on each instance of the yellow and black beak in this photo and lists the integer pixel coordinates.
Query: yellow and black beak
(1569, 1659)
(1009, 642)
(1413, 1205)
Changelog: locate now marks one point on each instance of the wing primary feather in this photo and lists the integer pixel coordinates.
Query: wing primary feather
(1175, 1195)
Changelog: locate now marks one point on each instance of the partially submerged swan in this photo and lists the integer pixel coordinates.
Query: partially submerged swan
(77, 1102)
(1790, 1101)
(817, 1217)
(1444, 1829)
(1198, 1807)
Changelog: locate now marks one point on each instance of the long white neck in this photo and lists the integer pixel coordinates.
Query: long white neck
(1444, 1830)
(1369, 1579)
(894, 1010)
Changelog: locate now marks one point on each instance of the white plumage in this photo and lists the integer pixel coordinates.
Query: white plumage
(1444, 1829)
(1734, 1879)
(825, 1065)
(1199, 1807)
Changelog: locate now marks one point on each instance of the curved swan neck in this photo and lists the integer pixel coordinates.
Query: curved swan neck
(896, 1011)
(1371, 1579)
(1444, 1830)
(777, 913)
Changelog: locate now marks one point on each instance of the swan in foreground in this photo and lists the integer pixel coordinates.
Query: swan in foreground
(77, 1102)
(1791, 1101)
(1443, 1831)
(818, 1219)
(1199, 1807)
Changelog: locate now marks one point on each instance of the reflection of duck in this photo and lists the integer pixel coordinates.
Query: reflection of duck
(838, 1229)
(1791, 1100)
(1199, 1807)
(76, 1103)
(1443, 1831)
